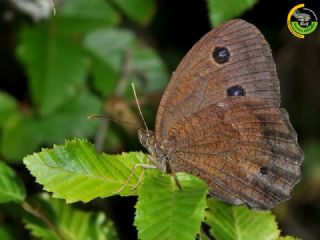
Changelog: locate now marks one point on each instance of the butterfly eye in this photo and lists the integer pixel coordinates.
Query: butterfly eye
(236, 91)
(221, 55)
(263, 170)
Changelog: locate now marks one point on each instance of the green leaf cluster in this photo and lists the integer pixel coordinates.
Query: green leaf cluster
(66, 222)
(222, 11)
(73, 62)
(76, 172)
(11, 186)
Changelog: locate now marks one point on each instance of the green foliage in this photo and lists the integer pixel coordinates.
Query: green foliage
(238, 222)
(312, 166)
(73, 114)
(288, 238)
(20, 135)
(67, 222)
(24, 133)
(7, 107)
(76, 172)
(148, 65)
(104, 43)
(143, 64)
(81, 16)
(55, 64)
(221, 11)
(11, 187)
(141, 12)
(82, 42)
(73, 63)
(5, 233)
(162, 210)
(105, 77)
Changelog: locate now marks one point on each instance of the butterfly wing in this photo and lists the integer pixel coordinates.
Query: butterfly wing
(243, 148)
(200, 80)
(219, 119)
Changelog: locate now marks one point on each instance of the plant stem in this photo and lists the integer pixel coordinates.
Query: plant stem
(37, 213)
(119, 90)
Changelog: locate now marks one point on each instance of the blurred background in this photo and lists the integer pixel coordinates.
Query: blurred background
(55, 71)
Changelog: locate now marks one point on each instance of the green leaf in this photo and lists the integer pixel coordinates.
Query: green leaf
(109, 45)
(288, 238)
(71, 120)
(238, 222)
(140, 11)
(202, 236)
(311, 168)
(221, 11)
(104, 77)
(147, 65)
(80, 16)
(21, 135)
(69, 222)
(24, 134)
(55, 64)
(76, 172)
(165, 212)
(7, 107)
(5, 233)
(11, 187)
(108, 48)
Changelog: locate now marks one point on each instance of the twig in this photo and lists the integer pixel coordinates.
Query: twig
(53, 8)
(101, 134)
(119, 90)
(124, 75)
(37, 213)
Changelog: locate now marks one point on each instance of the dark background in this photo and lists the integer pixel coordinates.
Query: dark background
(176, 26)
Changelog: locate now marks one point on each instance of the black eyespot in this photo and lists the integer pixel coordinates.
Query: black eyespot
(236, 91)
(221, 54)
(263, 170)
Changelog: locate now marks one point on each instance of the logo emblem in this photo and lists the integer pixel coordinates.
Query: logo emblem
(301, 21)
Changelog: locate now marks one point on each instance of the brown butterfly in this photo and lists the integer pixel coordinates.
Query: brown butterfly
(220, 119)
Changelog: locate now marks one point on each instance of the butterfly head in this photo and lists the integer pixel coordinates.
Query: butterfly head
(147, 139)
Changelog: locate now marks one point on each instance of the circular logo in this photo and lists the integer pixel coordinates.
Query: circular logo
(301, 21)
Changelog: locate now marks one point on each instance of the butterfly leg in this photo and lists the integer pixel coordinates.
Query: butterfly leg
(176, 180)
(144, 166)
(173, 174)
(143, 171)
(139, 180)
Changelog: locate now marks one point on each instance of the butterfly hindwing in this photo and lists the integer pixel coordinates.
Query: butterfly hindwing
(243, 148)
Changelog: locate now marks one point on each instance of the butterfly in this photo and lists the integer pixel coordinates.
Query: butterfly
(220, 120)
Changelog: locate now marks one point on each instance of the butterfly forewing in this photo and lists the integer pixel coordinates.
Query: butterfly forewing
(200, 81)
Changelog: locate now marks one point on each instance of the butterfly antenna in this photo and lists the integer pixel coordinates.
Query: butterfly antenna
(112, 120)
(135, 96)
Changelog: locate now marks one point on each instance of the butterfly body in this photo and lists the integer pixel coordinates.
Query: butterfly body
(220, 119)
(156, 154)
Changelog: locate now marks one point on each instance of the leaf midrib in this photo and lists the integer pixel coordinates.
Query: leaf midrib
(236, 224)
